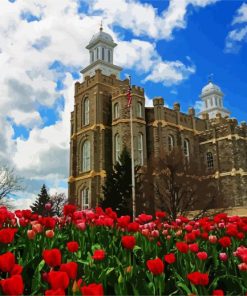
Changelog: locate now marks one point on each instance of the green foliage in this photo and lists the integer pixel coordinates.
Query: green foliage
(38, 206)
(117, 188)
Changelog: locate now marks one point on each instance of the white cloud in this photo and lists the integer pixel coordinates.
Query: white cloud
(239, 34)
(27, 119)
(170, 73)
(143, 19)
(59, 33)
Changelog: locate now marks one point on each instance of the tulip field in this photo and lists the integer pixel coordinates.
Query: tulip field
(94, 252)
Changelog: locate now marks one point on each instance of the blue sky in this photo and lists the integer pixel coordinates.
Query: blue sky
(169, 48)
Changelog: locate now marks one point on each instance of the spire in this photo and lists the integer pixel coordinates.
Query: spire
(210, 77)
(101, 26)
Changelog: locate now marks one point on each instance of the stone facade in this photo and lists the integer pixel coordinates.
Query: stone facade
(100, 127)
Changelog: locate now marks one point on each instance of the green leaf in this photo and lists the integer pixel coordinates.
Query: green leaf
(36, 282)
(184, 287)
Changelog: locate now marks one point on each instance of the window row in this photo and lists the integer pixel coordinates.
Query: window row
(86, 151)
(102, 53)
(139, 110)
(213, 101)
(186, 145)
(117, 148)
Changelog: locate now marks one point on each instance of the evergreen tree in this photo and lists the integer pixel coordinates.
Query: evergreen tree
(117, 188)
(38, 206)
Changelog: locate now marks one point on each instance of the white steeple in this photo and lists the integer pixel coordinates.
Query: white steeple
(212, 98)
(101, 47)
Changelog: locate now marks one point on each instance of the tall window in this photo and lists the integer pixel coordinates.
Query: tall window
(206, 103)
(117, 147)
(92, 56)
(210, 160)
(140, 148)
(186, 148)
(86, 111)
(211, 102)
(139, 109)
(116, 110)
(103, 53)
(85, 198)
(109, 55)
(97, 53)
(86, 156)
(170, 143)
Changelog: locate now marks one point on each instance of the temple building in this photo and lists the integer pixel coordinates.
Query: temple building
(100, 127)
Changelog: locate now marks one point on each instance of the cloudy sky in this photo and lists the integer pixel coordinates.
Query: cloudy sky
(168, 46)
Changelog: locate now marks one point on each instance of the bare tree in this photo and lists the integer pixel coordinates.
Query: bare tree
(58, 201)
(9, 184)
(177, 185)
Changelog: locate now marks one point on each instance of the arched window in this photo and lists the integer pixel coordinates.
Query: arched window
(186, 148)
(85, 200)
(206, 104)
(116, 110)
(211, 102)
(117, 147)
(170, 143)
(140, 148)
(139, 109)
(103, 53)
(210, 160)
(86, 111)
(86, 156)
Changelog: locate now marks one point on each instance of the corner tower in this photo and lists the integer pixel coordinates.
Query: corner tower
(101, 49)
(212, 98)
(91, 134)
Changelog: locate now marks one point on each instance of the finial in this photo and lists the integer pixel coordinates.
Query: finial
(210, 77)
(101, 26)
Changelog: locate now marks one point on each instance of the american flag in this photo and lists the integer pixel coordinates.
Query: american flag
(129, 96)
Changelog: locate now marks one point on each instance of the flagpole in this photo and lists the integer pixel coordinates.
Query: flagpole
(132, 158)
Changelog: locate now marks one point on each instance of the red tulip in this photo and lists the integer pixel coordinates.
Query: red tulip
(202, 256)
(13, 286)
(182, 247)
(7, 262)
(58, 280)
(170, 258)
(92, 289)
(194, 247)
(17, 269)
(99, 255)
(52, 257)
(218, 293)
(70, 268)
(72, 246)
(128, 242)
(7, 235)
(225, 241)
(198, 278)
(155, 266)
(58, 292)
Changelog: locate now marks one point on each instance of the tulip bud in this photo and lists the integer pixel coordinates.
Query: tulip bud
(49, 233)
(155, 233)
(37, 228)
(81, 226)
(31, 234)
(242, 267)
(165, 232)
(179, 232)
(212, 239)
(223, 256)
